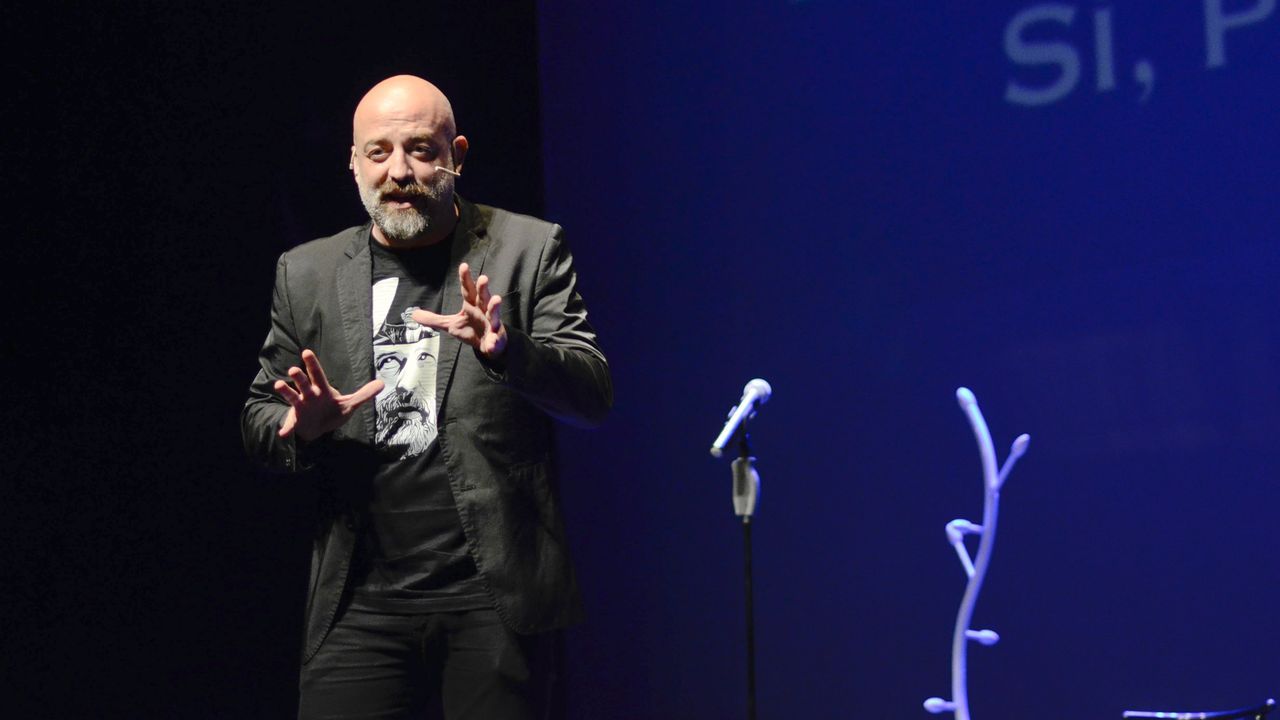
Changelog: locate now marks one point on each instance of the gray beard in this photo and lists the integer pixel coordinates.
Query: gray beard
(408, 224)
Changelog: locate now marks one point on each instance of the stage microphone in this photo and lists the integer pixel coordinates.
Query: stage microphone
(756, 392)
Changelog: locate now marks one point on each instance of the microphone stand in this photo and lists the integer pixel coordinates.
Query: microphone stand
(746, 489)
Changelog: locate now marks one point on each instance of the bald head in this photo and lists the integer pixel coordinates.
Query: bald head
(402, 135)
(406, 98)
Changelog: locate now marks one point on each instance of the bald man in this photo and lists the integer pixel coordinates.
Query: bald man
(413, 370)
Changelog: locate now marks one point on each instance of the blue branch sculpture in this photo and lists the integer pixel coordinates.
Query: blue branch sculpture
(993, 480)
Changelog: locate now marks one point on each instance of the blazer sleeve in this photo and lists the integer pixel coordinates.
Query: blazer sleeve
(264, 410)
(558, 365)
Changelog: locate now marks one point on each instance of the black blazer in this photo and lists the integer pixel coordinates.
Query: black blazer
(495, 429)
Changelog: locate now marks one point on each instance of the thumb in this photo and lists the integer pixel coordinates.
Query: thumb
(430, 319)
(286, 425)
(367, 391)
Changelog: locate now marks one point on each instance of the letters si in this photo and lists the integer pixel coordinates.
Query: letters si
(1061, 54)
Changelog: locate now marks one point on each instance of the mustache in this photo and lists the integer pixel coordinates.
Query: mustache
(412, 191)
(409, 191)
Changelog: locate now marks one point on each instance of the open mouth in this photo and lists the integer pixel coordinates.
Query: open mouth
(398, 200)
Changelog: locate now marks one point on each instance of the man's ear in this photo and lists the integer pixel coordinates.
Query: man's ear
(351, 163)
(460, 146)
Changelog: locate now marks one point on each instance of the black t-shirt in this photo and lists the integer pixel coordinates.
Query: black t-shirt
(412, 556)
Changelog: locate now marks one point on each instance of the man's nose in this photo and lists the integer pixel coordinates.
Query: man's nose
(399, 169)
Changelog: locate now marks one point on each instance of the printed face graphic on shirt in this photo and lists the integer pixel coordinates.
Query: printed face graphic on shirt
(404, 358)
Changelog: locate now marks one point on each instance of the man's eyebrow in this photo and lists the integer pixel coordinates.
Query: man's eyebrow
(413, 140)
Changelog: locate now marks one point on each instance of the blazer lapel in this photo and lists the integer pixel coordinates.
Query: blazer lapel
(355, 293)
(470, 245)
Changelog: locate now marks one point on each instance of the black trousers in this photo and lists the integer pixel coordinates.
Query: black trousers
(452, 666)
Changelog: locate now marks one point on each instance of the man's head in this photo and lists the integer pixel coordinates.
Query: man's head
(402, 131)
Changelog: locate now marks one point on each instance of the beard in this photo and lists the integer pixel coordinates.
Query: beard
(402, 225)
(398, 428)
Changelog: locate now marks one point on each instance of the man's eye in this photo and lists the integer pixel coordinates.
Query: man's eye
(377, 154)
(425, 150)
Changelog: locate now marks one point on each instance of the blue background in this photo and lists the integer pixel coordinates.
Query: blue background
(836, 197)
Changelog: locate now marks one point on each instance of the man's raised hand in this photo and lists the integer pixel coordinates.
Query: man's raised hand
(315, 406)
(478, 323)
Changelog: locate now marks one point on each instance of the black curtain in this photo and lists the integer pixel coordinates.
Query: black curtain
(160, 157)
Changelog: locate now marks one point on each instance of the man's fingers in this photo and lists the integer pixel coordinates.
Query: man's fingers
(289, 394)
(314, 370)
(303, 382)
(466, 284)
(369, 390)
(474, 318)
(494, 306)
(482, 292)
